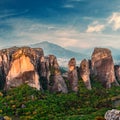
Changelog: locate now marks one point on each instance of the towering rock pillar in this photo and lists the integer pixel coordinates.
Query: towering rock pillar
(72, 75)
(117, 72)
(23, 68)
(85, 73)
(5, 60)
(103, 66)
(56, 82)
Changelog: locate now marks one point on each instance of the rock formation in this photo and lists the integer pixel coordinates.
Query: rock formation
(44, 72)
(5, 59)
(103, 66)
(56, 82)
(23, 68)
(28, 65)
(72, 75)
(18, 66)
(117, 72)
(85, 73)
(112, 114)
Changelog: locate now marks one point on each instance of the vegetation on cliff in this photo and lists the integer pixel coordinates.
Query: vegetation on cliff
(26, 103)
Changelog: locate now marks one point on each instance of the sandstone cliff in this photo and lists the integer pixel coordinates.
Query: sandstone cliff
(19, 65)
(72, 75)
(85, 73)
(50, 75)
(29, 65)
(117, 72)
(103, 66)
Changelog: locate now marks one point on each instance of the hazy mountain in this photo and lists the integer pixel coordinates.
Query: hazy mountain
(115, 54)
(58, 51)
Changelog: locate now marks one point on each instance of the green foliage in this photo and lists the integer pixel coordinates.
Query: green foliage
(44, 82)
(2, 82)
(26, 103)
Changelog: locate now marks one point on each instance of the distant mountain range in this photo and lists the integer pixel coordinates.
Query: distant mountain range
(58, 51)
(64, 54)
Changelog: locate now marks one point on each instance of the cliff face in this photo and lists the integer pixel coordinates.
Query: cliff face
(85, 73)
(18, 66)
(29, 65)
(50, 75)
(72, 75)
(5, 60)
(103, 66)
(117, 72)
(22, 71)
(56, 78)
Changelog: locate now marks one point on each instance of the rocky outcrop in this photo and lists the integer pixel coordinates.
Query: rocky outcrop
(5, 59)
(112, 114)
(22, 71)
(19, 65)
(85, 73)
(117, 72)
(28, 65)
(103, 66)
(72, 75)
(44, 72)
(56, 81)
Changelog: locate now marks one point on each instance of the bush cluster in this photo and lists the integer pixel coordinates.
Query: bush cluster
(26, 103)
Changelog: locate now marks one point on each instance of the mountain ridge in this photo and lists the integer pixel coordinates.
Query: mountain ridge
(58, 51)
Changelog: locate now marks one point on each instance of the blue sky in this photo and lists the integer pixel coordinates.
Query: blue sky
(73, 24)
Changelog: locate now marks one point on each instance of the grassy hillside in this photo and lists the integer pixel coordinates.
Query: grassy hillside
(26, 103)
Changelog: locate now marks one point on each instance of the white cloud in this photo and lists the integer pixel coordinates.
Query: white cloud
(112, 22)
(95, 28)
(26, 32)
(95, 22)
(115, 20)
